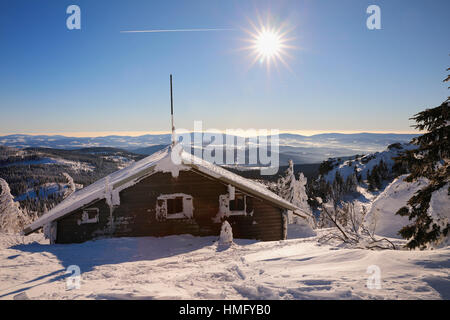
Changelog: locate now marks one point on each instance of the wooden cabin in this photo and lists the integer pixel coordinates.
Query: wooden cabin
(170, 192)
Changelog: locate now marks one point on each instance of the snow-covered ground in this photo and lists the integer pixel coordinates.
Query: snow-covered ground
(381, 214)
(187, 267)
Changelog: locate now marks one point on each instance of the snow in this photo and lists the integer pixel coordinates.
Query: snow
(161, 207)
(226, 234)
(301, 230)
(236, 180)
(97, 190)
(439, 210)
(366, 163)
(71, 185)
(172, 164)
(187, 267)
(161, 161)
(12, 219)
(45, 190)
(381, 205)
(294, 191)
(74, 165)
(381, 217)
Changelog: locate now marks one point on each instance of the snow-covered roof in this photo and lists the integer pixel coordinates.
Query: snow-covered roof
(96, 191)
(236, 180)
(160, 161)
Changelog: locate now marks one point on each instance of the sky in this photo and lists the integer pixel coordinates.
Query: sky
(339, 75)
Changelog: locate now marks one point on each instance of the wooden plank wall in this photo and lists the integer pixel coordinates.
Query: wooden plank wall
(136, 214)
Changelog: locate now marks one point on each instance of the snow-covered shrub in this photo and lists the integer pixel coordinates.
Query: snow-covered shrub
(348, 227)
(226, 234)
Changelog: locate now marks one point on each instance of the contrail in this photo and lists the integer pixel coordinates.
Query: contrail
(177, 30)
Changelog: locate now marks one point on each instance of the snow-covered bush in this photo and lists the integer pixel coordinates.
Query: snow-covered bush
(226, 234)
(350, 229)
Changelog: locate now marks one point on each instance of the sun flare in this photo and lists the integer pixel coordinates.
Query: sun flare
(268, 44)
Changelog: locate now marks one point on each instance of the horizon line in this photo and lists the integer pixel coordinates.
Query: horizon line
(98, 134)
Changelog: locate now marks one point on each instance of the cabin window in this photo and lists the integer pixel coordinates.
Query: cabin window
(174, 206)
(89, 215)
(241, 205)
(249, 205)
(238, 204)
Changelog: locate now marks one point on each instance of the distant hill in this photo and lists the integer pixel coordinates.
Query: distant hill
(36, 176)
(301, 149)
(150, 150)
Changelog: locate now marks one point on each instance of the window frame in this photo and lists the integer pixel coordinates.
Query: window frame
(243, 212)
(85, 219)
(187, 208)
(240, 211)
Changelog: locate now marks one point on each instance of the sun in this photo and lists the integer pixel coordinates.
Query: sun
(269, 44)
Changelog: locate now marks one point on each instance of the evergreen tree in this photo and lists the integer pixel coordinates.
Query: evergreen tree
(70, 185)
(351, 183)
(12, 219)
(429, 160)
(286, 184)
(293, 190)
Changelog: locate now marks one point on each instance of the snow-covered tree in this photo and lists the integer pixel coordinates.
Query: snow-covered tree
(430, 160)
(286, 184)
(12, 219)
(71, 185)
(300, 196)
(294, 191)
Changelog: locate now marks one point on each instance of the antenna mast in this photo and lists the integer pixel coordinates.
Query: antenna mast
(171, 112)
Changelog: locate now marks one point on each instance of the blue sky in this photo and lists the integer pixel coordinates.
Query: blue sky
(342, 77)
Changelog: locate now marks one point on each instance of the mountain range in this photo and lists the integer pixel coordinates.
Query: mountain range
(299, 148)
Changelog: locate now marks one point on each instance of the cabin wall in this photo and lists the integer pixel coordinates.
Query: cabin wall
(136, 215)
(69, 230)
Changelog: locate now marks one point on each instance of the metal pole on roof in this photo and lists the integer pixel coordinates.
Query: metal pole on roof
(171, 112)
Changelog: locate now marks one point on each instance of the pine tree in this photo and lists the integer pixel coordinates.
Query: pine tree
(286, 184)
(351, 183)
(429, 160)
(12, 219)
(70, 184)
(300, 195)
(293, 190)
